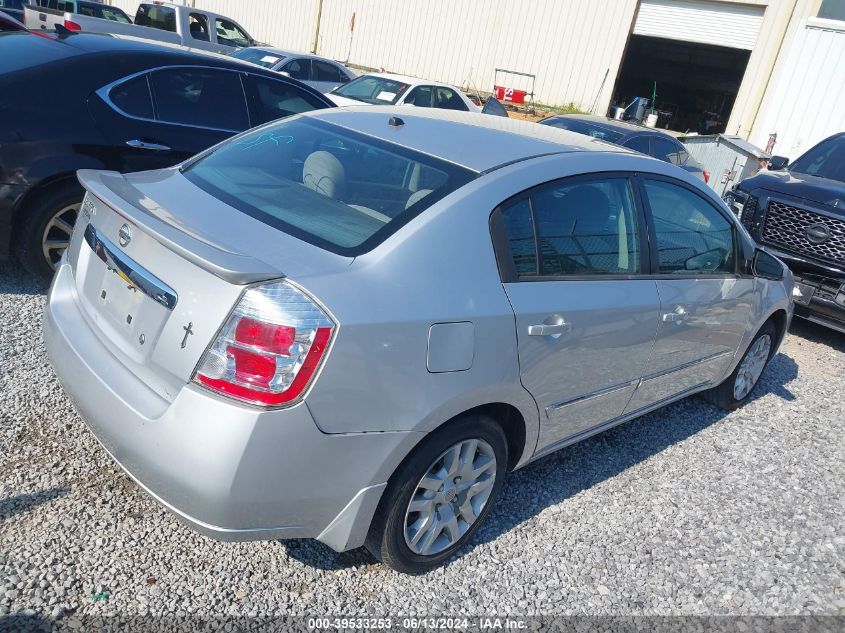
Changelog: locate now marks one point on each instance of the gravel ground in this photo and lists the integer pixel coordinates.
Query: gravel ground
(684, 511)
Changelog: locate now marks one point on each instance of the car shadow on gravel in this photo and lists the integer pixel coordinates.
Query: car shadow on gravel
(14, 280)
(10, 506)
(553, 479)
(818, 334)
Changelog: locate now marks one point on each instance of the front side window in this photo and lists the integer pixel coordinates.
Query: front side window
(201, 97)
(373, 90)
(584, 127)
(229, 34)
(825, 160)
(278, 99)
(298, 69)
(315, 181)
(448, 99)
(692, 236)
(581, 227)
(421, 96)
(133, 97)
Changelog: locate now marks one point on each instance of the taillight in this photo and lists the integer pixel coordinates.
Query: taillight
(70, 25)
(706, 177)
(270, 347)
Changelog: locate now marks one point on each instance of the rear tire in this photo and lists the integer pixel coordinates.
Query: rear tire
(738, 387)
(418, 526)
(45, 225)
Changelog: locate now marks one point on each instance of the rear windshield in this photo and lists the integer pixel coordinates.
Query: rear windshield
(825, 160)
(337, 189)
(103, 11)
(586, 128)
(257, 56)
(375, 90)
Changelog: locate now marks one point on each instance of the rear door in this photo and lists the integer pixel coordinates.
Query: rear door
(160, 118)
(705, 304)
(572, 255)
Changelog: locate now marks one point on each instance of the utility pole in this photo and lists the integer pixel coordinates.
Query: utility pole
(316, 41)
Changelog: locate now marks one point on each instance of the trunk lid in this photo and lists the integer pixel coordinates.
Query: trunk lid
(158, 265)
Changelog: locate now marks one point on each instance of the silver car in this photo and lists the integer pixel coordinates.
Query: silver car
(349, 325)
(318, 72)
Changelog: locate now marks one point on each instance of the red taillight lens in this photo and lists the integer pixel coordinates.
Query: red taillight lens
(706, 177)
(270, 347)
(72, 26)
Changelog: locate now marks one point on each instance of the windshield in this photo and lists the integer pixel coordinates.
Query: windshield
(825, 160)
(375, 90)
(324, 184)
(257, 56)
(584, 127)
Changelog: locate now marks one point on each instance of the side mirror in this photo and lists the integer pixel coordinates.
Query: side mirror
(766, 265)
(777, 163)
(493, 106)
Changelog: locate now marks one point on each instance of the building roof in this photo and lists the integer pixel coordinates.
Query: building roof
(480, 142)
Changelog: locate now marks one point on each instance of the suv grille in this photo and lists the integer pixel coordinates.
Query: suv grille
(786, 226)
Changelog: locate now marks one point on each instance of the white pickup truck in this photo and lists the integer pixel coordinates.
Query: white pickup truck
(159, 21)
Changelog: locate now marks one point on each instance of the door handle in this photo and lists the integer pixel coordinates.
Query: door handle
(549, 329)
(154, 147)
(678, 316)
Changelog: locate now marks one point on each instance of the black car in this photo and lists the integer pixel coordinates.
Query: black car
(79, 101)
(636, 137)
(798, 212)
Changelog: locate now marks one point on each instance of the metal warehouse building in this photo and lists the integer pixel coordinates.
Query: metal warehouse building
(751, 68)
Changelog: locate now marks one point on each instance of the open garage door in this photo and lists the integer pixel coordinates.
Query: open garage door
(696, 51)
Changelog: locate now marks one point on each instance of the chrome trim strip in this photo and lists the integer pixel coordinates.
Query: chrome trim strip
(625, 417)
(692, 363)
(129, 270)
(589, 396)
(103, 93)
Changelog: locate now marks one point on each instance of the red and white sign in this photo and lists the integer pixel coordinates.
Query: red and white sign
(509, 95)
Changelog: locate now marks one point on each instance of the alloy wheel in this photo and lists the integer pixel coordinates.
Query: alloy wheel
(57, 232)
(752, 366)
(450, 497)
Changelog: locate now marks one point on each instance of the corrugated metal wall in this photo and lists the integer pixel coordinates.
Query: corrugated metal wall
(806, 98)
(569, 45)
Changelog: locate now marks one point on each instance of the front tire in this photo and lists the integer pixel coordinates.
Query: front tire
(440, 495)
(736, 389)
(45, 228)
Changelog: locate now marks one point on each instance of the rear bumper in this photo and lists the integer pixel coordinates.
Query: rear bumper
(9, 197)
(231, 472)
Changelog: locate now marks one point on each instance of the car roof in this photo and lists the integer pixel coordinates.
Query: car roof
(623, 127)
(479, 142)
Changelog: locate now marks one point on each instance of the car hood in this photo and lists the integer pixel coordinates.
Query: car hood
(345, 101)
(821, 191)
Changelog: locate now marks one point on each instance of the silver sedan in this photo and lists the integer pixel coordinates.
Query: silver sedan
(349, 325)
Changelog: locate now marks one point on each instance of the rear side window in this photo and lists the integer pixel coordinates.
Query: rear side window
(639, 144)
(156, 16)
(668, 151)
(581, 227)
(324, 71)
(133, 97)
(312, 180)
(201, 97)
(277, 99)
(692, 236)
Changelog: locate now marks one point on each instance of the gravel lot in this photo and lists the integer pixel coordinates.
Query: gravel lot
(685, 511)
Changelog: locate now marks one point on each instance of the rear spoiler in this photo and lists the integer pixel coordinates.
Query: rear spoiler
(115, 191)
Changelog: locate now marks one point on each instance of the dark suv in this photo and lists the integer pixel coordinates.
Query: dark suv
(798, 212)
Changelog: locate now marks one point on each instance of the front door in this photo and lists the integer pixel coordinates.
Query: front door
(586, 316)
(705, 305)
